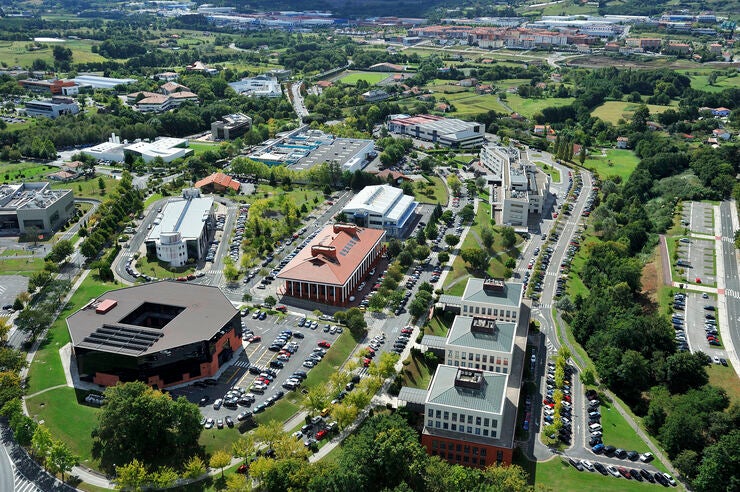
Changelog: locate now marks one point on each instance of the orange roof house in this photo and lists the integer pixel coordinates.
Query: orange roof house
(331, 266)
(218, 182)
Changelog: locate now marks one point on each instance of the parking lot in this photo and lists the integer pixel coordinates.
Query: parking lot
(258, 354)
(12, 286)
(699, 218)
(700, 324)
(696, 257)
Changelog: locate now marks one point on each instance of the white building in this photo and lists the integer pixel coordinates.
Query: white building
(52, 108)
(182, 230)
(167, 148)
(382, 207)
(448, 132)
(492, 298)
(496, 159)
(35, 207)
(98, 82)
(259, 86)
(525, 189)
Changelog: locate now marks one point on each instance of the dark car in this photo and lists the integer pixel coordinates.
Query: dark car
(600, 468)
(298, 334)
(636, 475)
(609, 450)
(277, 364)
(620, 453)
(633, 455)
(228, 421)
(647, 475)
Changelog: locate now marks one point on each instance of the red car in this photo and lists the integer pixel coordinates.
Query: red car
(366, 362)
(181, 279)
(698, 280)
(321, 434)
(329, 202)
(282, 309)
(407, 331)
(255, 339)
(324, 344)
(242, 469)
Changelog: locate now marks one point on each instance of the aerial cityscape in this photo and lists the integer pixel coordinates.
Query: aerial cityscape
(369, 246)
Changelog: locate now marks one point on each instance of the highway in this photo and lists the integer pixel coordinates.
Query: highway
(732, 284)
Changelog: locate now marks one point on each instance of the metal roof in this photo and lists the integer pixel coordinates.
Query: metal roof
(509, 296)
(412, 395)
(501, 339)
(490, 398)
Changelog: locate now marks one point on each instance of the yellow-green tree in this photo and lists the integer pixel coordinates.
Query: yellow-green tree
(194, 467)
(220, 459)
(132, 476)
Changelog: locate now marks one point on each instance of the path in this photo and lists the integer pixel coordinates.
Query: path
(665, 261)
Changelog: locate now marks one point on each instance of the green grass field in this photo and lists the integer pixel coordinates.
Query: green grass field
(24, 171)
(298, 196)
(725, 378)
(417, 374)
(613, 111)
(470, 104)
(528, 107)
(701, 82)
(20, 266)
(371, 78)
(551, 171)
(89, 188)
(432, 190)
(160, 269)
(618, 162)
(17, 52)
(568, 479)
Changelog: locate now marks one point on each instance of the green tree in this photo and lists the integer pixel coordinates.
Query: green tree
(378, 302)
(60, 251)
(443, 257)
(452, 239)
(477, 258)
(316, 399)
(508, 236)
(720, 460)
(101, 185)
(270, 301)
(454, 184)
(41, 444)
(685, 370)
(238, 483)
(687, 462)
(33, 321)
(220, 459)
(385, 366)
(125, 431)
(61, 459)
(231, 273)
(132, 476)
(487, 237)
(194, 467)
(344, 414)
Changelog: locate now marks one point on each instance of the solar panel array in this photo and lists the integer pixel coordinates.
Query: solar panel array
(129, 339)
(347, 247)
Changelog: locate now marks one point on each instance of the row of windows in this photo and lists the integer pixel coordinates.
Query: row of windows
(504, 313)
(460, 448)
(461, 458)
(440, 414)
(461, 428)
(498, 369)
(478, 357)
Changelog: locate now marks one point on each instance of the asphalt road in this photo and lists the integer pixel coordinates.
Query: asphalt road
(731, 278)
(6, 472)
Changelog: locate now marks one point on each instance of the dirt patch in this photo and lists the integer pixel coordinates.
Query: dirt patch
(651, 280)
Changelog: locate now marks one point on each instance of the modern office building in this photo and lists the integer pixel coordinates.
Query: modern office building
(493, 298)
(333, 264)
(182, 230)
(382, 207)
(525, 188)
(55, 86)
(162, 333)
(495, 158)
(447, 132)
(52, 108)
(302, 149)
(231, 126)
(259, 86)
(168, 148)
(34, 207)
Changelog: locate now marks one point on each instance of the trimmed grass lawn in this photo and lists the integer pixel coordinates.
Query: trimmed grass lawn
(66, 419)
(15, 52)
(297, 195)
(568, 478)
(89, 188)
(701, 82)
(529, 106)
(613, 111)
(20, 266)
(160, 269)
(200, 147)
(152, 198)
(439, 325)
(725, 377)
(551, 171)
(417, 374)
(371, 78)
(432, 190)
(24, 171)
(469, 103)
(46, 369)
(618, 162)
(617, 432)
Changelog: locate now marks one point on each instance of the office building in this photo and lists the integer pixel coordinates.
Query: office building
(167, 148)
(182, 230)
(34, 208)
(259, 86)
(382, 207)
(231, 126)
(493, 298)
(54, 87)
(52, 108)
(162, 333)
(447, 132)
(331, 266)
(525, 189)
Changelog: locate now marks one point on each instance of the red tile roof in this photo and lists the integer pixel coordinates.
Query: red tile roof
(333, 255)
(220, 179)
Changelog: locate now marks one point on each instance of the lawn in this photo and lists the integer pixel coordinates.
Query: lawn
(66, 419)
(613, 111)
(616, 162)
(529, 106)
(469, 103)
(20, 266)
(569, 479)
(200, 147)
(89, 188)
(725, 378)
(297, 195)
(551, 171)
(152, 198)
(371, 78)
(418, 373)
(46, 369)
(24, 171)
(161, 269)
(439, 325)
(16, 52)
(701, 82)
(617, 432)
(432, 190)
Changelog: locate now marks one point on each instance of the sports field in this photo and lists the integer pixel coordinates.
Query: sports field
(371, 78)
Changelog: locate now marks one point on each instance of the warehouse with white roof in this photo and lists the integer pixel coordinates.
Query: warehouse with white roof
(382, 207)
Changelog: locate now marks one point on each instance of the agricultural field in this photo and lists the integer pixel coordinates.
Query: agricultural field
(17, 52)
(470, 104)
(24, 171)
(701, 82)
(529, 106)
(371, 78)
(615, 162)
(613, 111)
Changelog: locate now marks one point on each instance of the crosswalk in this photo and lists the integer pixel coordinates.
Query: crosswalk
(2, 290)
(242, 363)
(22, 484)
(550, 347)
(362, 371)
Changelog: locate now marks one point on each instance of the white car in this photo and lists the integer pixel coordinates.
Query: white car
(587, 465)
(613, 470)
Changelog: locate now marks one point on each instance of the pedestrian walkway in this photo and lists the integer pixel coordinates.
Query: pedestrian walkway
(22, 484)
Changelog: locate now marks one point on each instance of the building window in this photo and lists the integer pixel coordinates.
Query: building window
(449, 362)
(465, 309)
(466, 449)
(430, 412)
(470, 419)
(439, 414)
(463, 356)
(477, 357)
(454, 427)
(477, 310)
(437, 424)
(465, 458)
(477, 431)
(473, 461)
(449, 353)
(477, 421)
(486, 421)
(485, 432)
(495, 312)
(494, 423)
(445, 425)
(485, 358)
(458, 447)
(489, 311)
(477, 366)
(457, 363)
(470, 430)
(470, 356)
(454, 416)
(462, 418)
(442, 445)
(475, 450)
(434, 443)
(494, 434)
(430, 423)
(447, 416)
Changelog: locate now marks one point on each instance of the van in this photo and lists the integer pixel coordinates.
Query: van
(594, 427)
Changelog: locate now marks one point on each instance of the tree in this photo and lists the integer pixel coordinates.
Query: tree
(125, 431)
(231, 273)
(443, 257)
(454, 184)
(487, 237)
(316, 399)
(378, 302)
(452, 239)
(421, 237)
(508, 236)
(101, 185)
(720, 460)
(238, 483)
(344, 414)
(467, 214)
(268, 433)
(220, 459)
(270, 301)
(687, 462)
(477, 258)
(4, 329)
(61, 459)
(685, 370)
(131, 476)
(405, 259)
(41, 444)
(194, 467)
(640, 118)
(385, 366)
(39, 279)
(243, 446)
(33, 321)
(60, 251)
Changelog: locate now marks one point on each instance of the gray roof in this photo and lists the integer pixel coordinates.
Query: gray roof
(501, 340)
(412, 395)
(433, 341)
(205, 311)
(442, 391)
(510, 296)
(186, 216)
